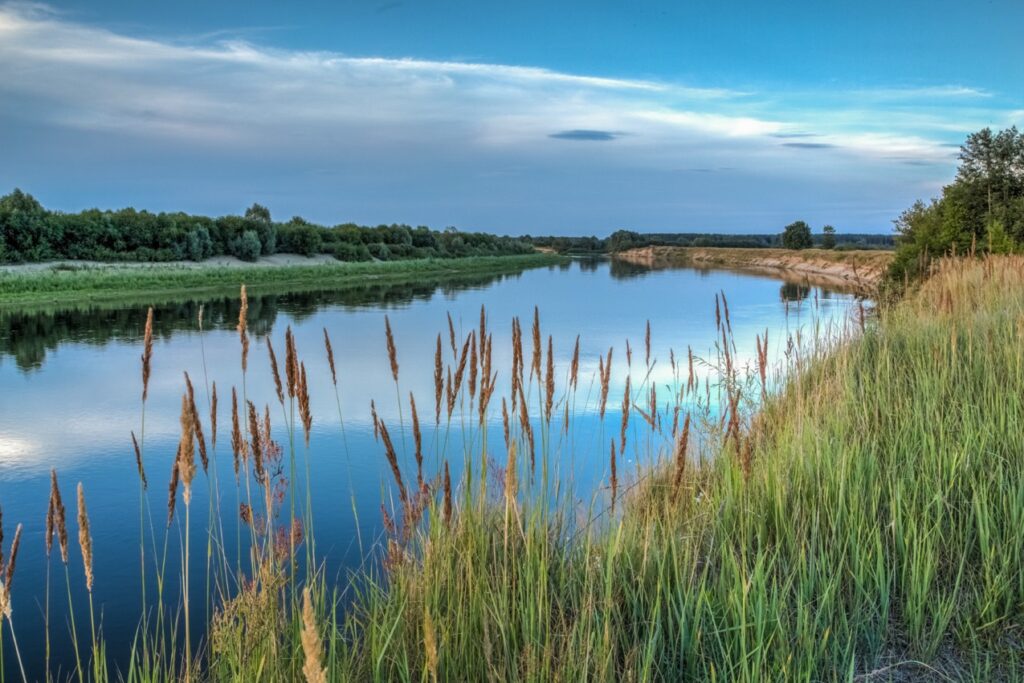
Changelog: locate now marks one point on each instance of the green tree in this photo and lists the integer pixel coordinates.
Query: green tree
(797, 236)
(247, 247)
(828, 237)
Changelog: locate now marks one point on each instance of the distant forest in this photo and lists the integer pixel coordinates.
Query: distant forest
(31, 233)
(627, 239)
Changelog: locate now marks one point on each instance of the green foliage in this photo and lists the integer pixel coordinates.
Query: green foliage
(247, 246)
(987, 194)
(828, 237)
(797, 236)
(30, 233)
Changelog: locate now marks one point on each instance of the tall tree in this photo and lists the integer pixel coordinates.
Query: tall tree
(797, 235)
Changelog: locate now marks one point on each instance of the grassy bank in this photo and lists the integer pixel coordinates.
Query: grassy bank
(853, 512)
(113, 283)
(864, 526)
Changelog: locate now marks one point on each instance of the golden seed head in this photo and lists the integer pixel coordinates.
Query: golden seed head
(85, 538)
(147, 353)
(313, 669)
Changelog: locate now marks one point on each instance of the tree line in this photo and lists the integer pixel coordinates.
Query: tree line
(800, 237)
(982, 210)
(31, 233)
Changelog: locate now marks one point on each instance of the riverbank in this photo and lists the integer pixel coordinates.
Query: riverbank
(862, 270)
(77, 282)
(863, 526)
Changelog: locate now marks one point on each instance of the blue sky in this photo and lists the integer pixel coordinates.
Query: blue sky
(566, 118)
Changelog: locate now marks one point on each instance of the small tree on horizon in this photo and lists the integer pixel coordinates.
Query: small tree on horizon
(797, 236)
(828, 237)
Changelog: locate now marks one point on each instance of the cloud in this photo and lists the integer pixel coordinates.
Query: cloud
(580, 134)
(808, 145)
(425, 140)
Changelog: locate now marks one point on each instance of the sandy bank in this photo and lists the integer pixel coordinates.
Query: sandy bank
(856, 269)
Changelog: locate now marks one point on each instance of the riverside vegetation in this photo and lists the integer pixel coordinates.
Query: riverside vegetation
(74, 283)
(851, 511)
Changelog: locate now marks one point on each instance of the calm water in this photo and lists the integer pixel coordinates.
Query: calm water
(71, 389)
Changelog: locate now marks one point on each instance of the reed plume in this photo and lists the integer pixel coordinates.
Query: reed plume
(625, 416)
(376, 421)
(438, 381)
(690, 380)
(291, 362)
(461, 370)
(647, 345)
(517, 360)
(549, 381)
(447, 508)
(486, 391)
(330, 357)
(8, 575)
(429, 644)
(138, 461)
(243, 328)
(524, 424)
(725, 309)
(275, 373)
(392, 352)
(197, 425)
(535, 368)
(186, 449)
(504, 422)
(256, 443)
(85, 538)
(237, 443)
(392, 457)
(629, 355)
(172, 493)
(417, 438)
(682, 447)
(483, 323)
(313, 669)
(147, 353)
(304, 411)
(59, 516)
(606, 376)
(451, 337)
(574, 368)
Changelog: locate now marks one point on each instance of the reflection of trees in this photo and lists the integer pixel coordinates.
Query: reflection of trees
(590, 264)
(27, 335)
(794, 291)
(624, 270)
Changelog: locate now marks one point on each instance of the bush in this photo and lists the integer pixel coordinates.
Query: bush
(247, 247)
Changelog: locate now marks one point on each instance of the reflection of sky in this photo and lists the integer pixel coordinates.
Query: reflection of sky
(76, 411)
(92, 392)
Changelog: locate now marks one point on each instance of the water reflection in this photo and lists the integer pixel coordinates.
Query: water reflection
(70, 397)
(27, 336)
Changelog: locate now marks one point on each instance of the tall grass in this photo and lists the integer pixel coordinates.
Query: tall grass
(852, 512)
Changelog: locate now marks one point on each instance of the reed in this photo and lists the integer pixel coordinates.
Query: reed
(847, 510)
(312, 668)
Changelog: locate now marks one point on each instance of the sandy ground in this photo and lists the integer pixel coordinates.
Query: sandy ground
(856, 268)
(276, 260)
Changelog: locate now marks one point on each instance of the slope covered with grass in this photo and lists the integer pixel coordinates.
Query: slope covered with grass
(865, 525)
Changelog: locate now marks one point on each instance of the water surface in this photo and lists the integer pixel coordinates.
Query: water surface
(71, 389)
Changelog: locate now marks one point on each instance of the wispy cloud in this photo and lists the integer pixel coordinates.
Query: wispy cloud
(380, 118)
(586, 135)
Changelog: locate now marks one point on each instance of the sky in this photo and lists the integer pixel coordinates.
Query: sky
(569, 118)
